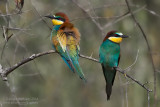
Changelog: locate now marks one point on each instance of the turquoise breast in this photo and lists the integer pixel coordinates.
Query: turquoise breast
(109, 53)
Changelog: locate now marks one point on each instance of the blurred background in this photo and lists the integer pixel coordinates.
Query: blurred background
(48, 82)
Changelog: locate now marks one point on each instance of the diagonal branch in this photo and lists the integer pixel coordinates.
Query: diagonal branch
(5, 72)
(125, 15)
(121, 71)
(149, 48)
(142, 85)
(90, 16)
(40, 16)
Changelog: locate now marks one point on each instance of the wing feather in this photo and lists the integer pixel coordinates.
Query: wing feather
(62, 38)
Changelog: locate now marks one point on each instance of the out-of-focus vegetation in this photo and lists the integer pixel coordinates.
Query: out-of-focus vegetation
(48, 82)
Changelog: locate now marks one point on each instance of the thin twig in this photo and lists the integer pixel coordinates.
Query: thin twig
(126, 93)
(149, 49)
(85, 11)
(96, 17)
(121, 90)
(5, 29)
(114, 5)
(125, 15)
(5, 43)
(129, 67)
(11, 28)
(109, 5)
(148, 98)
(29, 75)
(3, 50)
(142, 85)
(40, 16)
(6, 15)
(152, 12)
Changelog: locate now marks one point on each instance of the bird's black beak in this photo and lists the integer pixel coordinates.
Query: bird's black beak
(124, 36)
(50, 16)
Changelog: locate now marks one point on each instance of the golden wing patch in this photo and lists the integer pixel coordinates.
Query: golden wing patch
(62, 38)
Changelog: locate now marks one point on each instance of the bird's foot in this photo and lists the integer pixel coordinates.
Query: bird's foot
(114, 68)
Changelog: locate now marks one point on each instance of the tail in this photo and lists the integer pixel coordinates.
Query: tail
(74, 61)
(78, 70)
(109, 75)
(108, 90)
(74, 66)
(69, 64)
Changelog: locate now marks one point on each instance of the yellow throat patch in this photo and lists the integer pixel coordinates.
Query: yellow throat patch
(57, 22)
(115, 39)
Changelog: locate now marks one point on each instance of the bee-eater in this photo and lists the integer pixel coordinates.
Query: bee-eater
(109, 53)
(65, 40)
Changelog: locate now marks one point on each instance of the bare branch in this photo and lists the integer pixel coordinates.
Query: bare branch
(142, 85)
(40, 16)
(126, 93)
(152, 12)
(129, 67)
(149, 49)
(148, 98)
(7, 71)
(32, 57)
(29, 75)
(121, 71)
(127, 14)
(96, 17)
(6, 15)
(11, 28)
(115, 5)
(89, 58)
(85, 11)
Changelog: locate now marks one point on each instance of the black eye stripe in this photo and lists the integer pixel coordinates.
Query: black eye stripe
(117, 35)
(62, 19)
(114, 35)
(57, 18)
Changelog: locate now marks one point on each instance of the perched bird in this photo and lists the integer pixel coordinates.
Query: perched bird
(65, 40)
(109, 53)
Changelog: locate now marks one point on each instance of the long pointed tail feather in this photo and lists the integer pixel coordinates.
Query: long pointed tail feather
(75, 67)
(78, 70)
(109, 75)
(69, 64)
(108, 90)
(74, 61)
